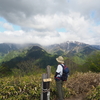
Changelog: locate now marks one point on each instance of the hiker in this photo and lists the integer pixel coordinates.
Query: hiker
(59, 82)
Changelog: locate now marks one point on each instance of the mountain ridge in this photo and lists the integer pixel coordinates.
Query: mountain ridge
(35, 58)
(39, 56)
(64, 49)
(65, 46)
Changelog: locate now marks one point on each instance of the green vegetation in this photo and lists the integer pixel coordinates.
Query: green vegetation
(20, 88)
(93, 62)
(26, 61)
(94, 94)
(29, 87)
(79, 58)
(2, 56)
(85, 84)
(13, 54)
(21, 72)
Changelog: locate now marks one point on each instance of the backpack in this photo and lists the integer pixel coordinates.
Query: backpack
(65, 73)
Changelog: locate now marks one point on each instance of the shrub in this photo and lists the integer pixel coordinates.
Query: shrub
(82, 83)
(94, 94)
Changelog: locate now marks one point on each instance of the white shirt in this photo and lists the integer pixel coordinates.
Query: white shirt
(59, 70)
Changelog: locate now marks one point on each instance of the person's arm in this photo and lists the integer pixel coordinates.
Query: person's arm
(58, 70)
(56, 74)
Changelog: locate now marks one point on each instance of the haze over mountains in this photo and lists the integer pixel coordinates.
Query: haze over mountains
(29, 57)
(64, 47)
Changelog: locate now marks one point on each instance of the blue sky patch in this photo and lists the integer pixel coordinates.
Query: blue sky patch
(2, 19)
(16, 27)
(92, 14)
(2, 29)
(61, 30)
(98, 23)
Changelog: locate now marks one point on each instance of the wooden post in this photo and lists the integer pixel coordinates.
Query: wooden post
(48, 71)
(48, 83)
(45, 95)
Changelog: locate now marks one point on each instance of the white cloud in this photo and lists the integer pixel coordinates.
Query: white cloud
(8, 26)
(40, 19)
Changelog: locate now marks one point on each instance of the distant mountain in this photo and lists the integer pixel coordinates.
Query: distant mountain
(76, 51)
(81, 56)
(34, 58)
(7, 47)
(62, 48)
(36, 54)
(30, 57)
(85, 50)
(67, 47)
(96, 46)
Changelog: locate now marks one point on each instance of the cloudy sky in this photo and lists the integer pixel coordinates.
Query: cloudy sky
(49, 21)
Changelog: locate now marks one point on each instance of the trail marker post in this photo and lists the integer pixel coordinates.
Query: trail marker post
(45, 94)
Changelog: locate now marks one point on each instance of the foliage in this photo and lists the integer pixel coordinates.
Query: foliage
(34, 62)
(25, 62)
(94, 94)
(20, 88)
(2, 56)
(29, 87)
(73, 67)
(93, 62)
(83, 83)
(13, 54)
(78, 59)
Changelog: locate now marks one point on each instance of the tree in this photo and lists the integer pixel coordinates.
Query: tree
(93, 62)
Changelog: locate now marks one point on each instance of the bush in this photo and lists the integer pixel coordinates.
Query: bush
(29, 87)
(20, 88)
(94, 94)
(82, 83)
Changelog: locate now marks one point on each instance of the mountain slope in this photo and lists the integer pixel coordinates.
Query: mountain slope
(6, 48)
(76, 51)
(65, 47)
(34, 59)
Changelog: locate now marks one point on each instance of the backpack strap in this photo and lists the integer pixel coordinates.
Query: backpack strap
(62, 66)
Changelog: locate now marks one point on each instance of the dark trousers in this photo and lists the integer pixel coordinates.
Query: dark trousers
(60, 92)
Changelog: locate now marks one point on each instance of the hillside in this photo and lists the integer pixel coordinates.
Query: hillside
(81, 56)
(33, 57)
(27, 62)
(70, 49)
(21, 72)
(60, 49)
(6, 48)
(65, 47)
(75, 51)
(55, 48)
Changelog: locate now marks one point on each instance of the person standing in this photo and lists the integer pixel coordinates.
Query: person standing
(59, 82)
